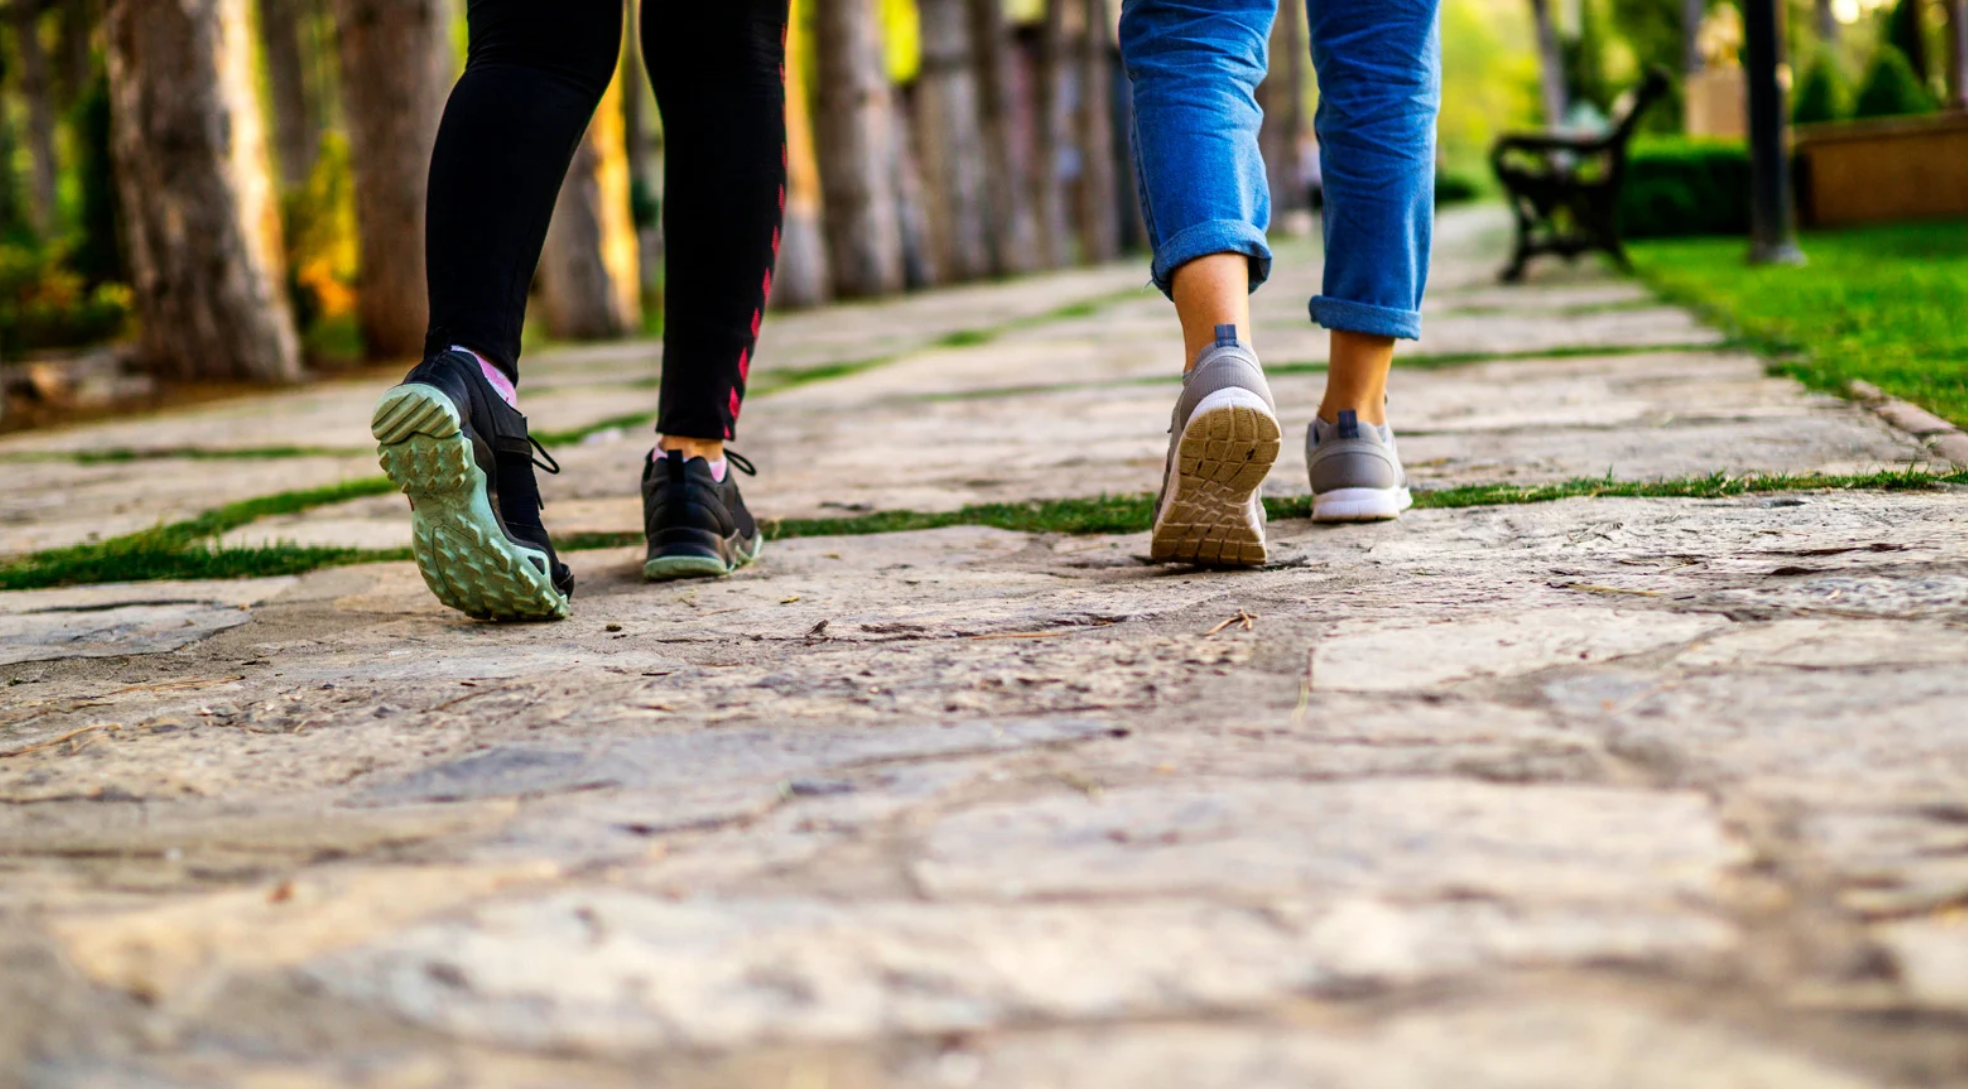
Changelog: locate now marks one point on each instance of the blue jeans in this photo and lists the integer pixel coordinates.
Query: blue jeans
(1196, 65)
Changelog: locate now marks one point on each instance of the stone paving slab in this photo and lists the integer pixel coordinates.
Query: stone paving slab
(1592, 793)
(1637, 417)
(1513, 814)
(49, 504)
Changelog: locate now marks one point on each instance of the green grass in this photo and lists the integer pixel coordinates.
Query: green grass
(1084, 308)
(184, 550)
(1888, 305)
(778, 381)
(1714, 486)
(571, 435)
(1134, 513)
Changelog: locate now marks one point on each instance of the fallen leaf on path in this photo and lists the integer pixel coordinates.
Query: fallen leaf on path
(1248, 620)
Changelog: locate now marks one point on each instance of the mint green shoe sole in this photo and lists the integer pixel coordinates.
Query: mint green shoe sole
(666, 568)
(465, 557)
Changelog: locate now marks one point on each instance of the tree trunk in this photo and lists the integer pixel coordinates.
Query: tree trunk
(37, 91)
(1957, 34)
(1014, 234)
(800, 276)
(1099, 218)
(77, 54)
(857, 145)
(1826, 19)
(644, 202)
(1907, 30)
(296, 136)
(1134, 223)
(396, 65)
(589, 282)
(1551, 64)
(950, 144)
(1282, 94)
(1049, 139)
(191, 162)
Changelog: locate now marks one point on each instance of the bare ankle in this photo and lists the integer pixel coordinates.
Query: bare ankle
(1375, 414)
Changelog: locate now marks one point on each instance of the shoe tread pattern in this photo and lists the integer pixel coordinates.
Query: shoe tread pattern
(1221, 460)
(463, 554)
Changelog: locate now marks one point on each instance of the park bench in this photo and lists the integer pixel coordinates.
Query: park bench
(1564, 188)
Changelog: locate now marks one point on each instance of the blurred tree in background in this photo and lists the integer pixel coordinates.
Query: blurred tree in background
(239, 183)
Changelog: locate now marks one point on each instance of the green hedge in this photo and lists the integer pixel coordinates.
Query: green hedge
(1677, 187)
(1454, 188)
(1892, 88)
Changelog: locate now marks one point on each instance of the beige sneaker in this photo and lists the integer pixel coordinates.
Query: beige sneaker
(1356, 471)
(1222, 442)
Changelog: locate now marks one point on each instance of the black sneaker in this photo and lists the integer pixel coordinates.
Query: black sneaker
(463, 457)
(697, 525)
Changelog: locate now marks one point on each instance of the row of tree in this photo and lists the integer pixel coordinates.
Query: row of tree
(929, 142)
(1576, 40)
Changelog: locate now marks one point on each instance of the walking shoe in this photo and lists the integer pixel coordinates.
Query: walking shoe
(697, 525)
(1222, 442)
(1356, 472)
(463, 456)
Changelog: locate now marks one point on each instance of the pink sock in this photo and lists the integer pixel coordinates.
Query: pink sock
(718, 467)
(493, 375)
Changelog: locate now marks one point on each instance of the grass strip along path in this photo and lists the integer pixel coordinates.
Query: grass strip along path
(1887, 305)
(185, 550)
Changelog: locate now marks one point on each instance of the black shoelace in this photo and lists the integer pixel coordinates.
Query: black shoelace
(548, 466)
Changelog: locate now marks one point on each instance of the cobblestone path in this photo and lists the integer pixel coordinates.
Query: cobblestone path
(1600, 792)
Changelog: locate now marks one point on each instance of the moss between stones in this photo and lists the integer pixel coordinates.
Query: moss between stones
(185, 550)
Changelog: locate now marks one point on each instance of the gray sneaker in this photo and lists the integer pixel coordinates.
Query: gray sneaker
(1222, 442)
(1356, 472)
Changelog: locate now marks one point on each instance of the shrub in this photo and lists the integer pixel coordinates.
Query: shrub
(45, 304)
(1677, 187)
(1823, 95)
(1454, 188)
(319, 228)
(1891, 88)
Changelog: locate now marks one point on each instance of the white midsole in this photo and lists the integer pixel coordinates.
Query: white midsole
(1230, 396)
(1360, 504)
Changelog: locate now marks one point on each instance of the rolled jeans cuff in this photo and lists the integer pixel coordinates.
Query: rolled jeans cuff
(1215, 236)
(1358, 317)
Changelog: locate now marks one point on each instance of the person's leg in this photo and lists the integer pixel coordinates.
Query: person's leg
(1211, 292)
(1379, 67)
(1204, 195)
(1356, 376)
(718, 70)
(533, 76)
(450, 434)
(1206, 203)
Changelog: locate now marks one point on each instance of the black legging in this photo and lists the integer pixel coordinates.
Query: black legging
(536, 71)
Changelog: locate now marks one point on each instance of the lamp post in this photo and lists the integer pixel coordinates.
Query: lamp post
(1770, 238)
